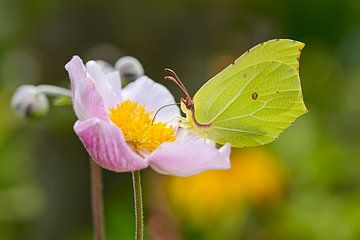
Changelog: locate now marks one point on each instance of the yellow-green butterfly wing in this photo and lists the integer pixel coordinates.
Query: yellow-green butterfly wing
(255, 98)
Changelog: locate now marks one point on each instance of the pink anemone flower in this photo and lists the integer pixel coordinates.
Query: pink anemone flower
(118, 128)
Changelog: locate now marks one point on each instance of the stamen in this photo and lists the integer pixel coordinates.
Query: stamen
(138, 128)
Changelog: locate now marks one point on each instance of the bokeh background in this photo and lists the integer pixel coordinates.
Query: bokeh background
(306, 185)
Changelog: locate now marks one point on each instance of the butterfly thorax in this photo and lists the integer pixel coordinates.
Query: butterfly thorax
(190, 122)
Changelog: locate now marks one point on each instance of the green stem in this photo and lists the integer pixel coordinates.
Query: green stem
(139, 220)
(97, 200)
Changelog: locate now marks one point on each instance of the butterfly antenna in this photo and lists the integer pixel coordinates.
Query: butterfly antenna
(156, 113)
(170, 78)
(174, 78)
(172, 72)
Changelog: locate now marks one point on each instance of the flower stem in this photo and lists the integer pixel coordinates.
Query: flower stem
(139, 220)
(97, 201)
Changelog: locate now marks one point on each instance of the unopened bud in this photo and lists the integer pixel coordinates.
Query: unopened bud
(28, 102)
(130, 68)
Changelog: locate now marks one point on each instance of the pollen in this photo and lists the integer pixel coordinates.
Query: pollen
(139, 129)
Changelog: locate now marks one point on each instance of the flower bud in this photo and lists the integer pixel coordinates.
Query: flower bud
(130, 68)
(28, 102)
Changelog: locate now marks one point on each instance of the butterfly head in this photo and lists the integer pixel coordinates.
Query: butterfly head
(189, 103)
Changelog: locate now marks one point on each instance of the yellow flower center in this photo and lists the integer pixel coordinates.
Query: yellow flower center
(138, 128)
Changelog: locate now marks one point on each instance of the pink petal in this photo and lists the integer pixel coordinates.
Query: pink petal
(86, 99)
(154, 96)
(188, 156)
(106, 145)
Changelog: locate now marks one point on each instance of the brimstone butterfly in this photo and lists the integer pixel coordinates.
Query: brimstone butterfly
(251, 101)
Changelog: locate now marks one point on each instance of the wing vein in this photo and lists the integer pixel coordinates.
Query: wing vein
(238, 95)
(243, 131)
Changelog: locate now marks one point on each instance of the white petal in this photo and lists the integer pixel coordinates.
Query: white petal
(189, 155)
(107, 84)
(105, 66)
(154, 96)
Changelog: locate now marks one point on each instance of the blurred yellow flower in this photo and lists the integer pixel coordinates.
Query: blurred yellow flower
(256, 177)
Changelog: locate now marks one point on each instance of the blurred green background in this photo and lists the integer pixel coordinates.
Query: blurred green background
(306, 185)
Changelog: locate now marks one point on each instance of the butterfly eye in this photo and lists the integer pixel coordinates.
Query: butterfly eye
(255, 95)
(190, 104)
